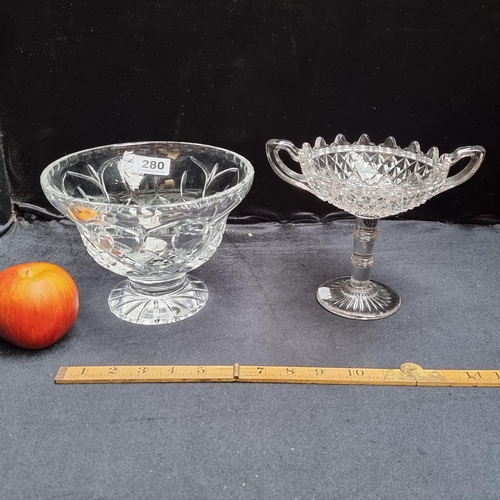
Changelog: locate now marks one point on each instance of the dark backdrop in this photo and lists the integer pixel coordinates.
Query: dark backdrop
(237, 73)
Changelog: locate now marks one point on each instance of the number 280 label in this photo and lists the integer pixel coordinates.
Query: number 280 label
(151, 165)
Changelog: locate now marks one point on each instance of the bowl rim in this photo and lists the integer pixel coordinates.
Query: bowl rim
(246, 180)
(315, 153)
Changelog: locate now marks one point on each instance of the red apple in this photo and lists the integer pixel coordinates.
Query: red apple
(38, 304)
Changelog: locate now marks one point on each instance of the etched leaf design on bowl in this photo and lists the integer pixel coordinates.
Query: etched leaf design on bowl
(151, 225)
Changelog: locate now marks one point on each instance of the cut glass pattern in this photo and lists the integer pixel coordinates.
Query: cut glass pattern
(372, 181)
(153, 229)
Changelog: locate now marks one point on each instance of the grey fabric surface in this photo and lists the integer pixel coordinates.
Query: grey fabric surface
(256, 441)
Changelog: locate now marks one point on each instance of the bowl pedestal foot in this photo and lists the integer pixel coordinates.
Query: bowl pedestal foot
(158, 303)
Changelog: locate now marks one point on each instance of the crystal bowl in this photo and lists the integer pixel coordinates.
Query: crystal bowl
(369, 180)
(152, 212)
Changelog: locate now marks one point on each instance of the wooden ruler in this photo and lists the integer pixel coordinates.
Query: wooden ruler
(409, 374)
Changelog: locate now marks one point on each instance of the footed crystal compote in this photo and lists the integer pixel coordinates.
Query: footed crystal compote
(152, 212)
(369, 182)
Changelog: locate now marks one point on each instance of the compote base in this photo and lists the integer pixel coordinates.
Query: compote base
(137, 304)
(364, 300)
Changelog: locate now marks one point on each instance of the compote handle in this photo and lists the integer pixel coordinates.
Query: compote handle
(476, 154)
(273, 148)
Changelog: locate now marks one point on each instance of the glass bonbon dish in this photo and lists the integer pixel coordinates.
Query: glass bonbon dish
(369, 181)
(152, 212)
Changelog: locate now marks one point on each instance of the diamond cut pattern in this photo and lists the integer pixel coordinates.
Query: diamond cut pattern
(373, 181)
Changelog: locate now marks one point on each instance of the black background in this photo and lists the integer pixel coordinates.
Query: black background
(235, 74)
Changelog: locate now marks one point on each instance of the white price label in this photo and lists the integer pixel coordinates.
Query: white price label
(151, 165)
(324, 293)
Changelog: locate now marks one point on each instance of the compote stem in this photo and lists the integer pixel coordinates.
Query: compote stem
(365, 233)
(357, 296)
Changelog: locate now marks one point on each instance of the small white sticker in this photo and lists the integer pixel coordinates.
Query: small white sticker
(151, 165)
(324, 293)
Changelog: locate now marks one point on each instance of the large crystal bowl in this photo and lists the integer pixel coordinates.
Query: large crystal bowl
(369, 181)
(152, 212)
